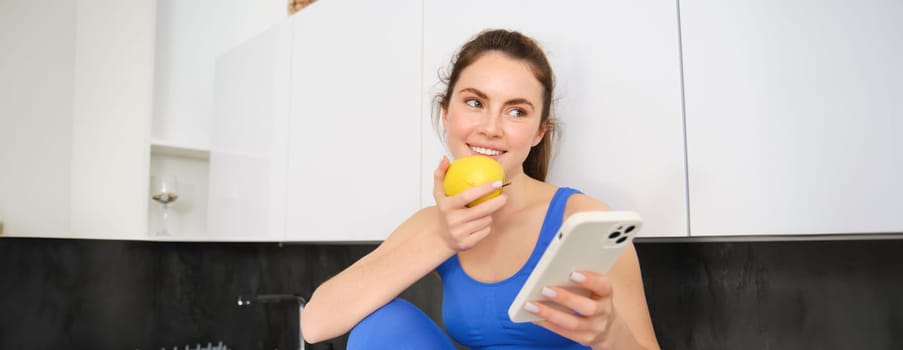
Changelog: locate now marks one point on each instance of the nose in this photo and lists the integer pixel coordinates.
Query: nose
(492, 125)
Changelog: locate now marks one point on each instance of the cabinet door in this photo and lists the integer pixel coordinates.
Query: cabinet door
(36, 117)
(617, 72)
(794, 116)
(75, 103)
(190, 36)
(354, 149)
(111, 118)
(249, 139)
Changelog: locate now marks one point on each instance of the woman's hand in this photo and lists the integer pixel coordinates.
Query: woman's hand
(592, 320)
(460, 226)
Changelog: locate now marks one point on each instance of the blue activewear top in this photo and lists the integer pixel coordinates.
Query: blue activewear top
(476, 313)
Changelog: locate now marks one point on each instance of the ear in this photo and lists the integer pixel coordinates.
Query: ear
(443, 117)
(543, 128)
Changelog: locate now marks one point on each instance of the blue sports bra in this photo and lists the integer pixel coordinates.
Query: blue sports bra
(475, 313)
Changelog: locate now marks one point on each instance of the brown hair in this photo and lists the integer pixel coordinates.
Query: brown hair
(518, 46)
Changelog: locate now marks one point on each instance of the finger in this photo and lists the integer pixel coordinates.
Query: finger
(557, 317)
(484, 209)
(439, 179)
(474, 193)
(462, 228)
(475, 238)
(580, 302)
(599, 284)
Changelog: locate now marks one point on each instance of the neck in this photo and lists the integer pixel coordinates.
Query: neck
(522, 192)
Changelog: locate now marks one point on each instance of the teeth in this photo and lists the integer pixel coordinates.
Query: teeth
(485, 151)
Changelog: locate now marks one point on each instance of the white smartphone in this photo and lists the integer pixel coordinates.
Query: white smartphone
(586, 241)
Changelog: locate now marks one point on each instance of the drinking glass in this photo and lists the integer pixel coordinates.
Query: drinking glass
(165, 190)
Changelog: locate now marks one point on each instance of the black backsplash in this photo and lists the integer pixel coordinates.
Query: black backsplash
(97, 294)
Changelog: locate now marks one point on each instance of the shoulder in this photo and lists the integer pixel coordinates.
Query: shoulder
(580, 202)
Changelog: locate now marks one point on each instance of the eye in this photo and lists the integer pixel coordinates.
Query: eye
(473, 103)
(517, 112)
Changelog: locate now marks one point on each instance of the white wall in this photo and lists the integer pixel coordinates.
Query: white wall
(190, 35)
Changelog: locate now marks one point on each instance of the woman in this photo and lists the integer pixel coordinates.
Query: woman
(497, 103)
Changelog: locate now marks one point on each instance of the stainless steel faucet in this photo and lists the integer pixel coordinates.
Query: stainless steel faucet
(276, 298)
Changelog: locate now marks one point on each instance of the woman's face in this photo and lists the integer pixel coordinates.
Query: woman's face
(495, 110)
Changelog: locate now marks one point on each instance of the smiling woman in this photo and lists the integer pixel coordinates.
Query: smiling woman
(497, 105)
(529, 86)
(493, 112)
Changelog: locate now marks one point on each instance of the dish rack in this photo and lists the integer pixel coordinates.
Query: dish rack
(209, 346)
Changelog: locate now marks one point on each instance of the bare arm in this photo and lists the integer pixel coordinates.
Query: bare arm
(630, 300)
(408, 254)
(415, 248)
(617, 316)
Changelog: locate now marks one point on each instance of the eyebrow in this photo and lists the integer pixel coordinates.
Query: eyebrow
(514, 101)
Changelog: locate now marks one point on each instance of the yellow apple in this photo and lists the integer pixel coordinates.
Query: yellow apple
(470, 171)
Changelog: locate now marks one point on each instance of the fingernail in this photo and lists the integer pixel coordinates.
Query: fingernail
(531, 308)
(549, 292)
(578, 277)
(497, 184)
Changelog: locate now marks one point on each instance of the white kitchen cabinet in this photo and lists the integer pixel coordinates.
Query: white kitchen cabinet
(617, 66)
(354, 126)
(36, 116)
(793, 116)
(80, 112)
(190, 35)
(111, 119)
(77, 102)
(249, 139)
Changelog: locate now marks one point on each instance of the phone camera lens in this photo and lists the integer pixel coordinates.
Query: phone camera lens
(630, 228)
(614, 235)
(621, 240)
